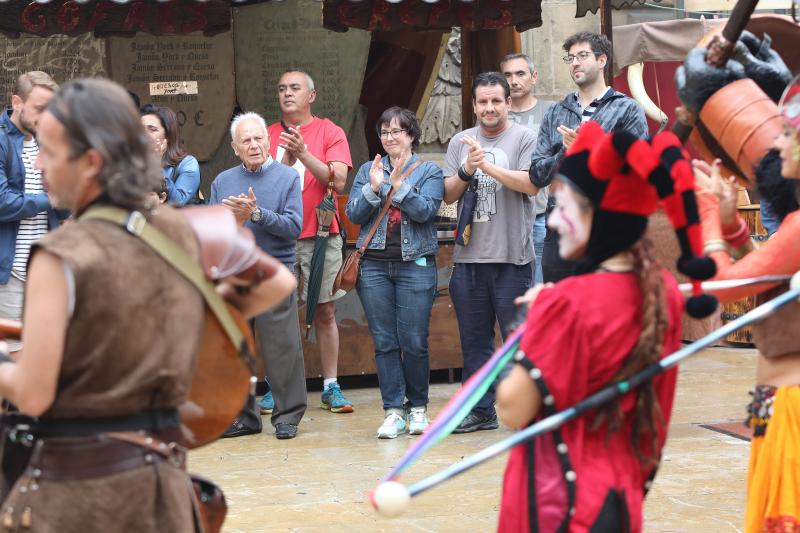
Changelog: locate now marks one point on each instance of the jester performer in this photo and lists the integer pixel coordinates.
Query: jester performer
(773, 495)
(623, 313)
(111, 333)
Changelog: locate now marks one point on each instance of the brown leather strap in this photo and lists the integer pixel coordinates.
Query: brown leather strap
(385, 208)
(331, 176)
(171, 450)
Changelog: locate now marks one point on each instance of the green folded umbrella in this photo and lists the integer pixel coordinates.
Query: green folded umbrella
(325, 213)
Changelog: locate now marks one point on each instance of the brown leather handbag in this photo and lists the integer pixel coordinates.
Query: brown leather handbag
(347, 276)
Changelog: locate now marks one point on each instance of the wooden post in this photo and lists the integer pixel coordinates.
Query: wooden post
(482, 51)
(607, 29)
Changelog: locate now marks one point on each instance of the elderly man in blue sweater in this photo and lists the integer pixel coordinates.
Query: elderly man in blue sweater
(265, 196)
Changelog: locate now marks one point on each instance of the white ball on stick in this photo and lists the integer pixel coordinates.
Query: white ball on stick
(794, 284)
(390, 498)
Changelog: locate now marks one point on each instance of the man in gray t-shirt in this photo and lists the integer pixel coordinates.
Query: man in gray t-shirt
(528, 111)
(496, 264)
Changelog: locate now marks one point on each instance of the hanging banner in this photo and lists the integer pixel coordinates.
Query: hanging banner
(190, 74)
(64, 58)
(270, 38)
(106, 17)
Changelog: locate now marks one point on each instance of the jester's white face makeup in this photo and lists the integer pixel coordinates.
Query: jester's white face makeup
(572, 219)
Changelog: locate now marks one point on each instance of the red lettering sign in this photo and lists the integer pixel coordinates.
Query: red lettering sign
(442, 7)
(32, 18)
(379, 20)
(100, 15)
(135, 21)
(197, 19)
(69, 16)
(505, 15)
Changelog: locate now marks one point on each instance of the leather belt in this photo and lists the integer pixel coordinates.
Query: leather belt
(62, 459)
(155, 420)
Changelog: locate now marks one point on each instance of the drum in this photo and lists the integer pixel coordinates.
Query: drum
(733, 310)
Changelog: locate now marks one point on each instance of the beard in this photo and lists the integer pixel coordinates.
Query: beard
(589, 77)
(27, 125)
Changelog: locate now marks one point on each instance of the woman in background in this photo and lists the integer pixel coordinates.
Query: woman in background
(181, 170)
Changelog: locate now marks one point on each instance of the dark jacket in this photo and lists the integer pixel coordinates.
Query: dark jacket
(15, 204)
(615, 111)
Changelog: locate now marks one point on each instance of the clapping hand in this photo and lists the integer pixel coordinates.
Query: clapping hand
(242, 206)
(568, 134)
(376, 174)
(398, 164)
(476, 156)
(724, 189)
(294, 144)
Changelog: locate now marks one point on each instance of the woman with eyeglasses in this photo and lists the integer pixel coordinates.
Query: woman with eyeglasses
(181, 170)
(397, 282)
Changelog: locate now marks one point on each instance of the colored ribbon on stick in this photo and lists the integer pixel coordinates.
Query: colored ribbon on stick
(461, 403)
(610, 392)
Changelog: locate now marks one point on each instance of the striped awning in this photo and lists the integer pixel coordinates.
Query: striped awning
(116, 17)
(387, 15)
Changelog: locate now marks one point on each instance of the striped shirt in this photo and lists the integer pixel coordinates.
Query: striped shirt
(589, 110)
(34, 228)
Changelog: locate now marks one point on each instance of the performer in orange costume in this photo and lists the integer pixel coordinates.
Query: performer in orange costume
(773, 501)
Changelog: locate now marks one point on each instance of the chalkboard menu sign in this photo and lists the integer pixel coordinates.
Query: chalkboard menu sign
(64, 58)
(190, 74)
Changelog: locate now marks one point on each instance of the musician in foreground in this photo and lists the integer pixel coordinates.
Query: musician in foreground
(621, 314)
(111, 335)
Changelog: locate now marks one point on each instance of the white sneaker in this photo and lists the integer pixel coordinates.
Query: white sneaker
(393, 425)
(417, 420)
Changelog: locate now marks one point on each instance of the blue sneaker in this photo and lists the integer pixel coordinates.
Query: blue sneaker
(267, 403)
(333, 399)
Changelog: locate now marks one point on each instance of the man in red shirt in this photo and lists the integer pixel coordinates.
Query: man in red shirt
(315, 147)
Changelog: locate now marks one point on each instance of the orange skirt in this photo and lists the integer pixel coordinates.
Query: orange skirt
(773, 484)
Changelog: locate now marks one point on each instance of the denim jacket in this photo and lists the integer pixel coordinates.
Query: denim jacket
(418, 198)
(15, 203)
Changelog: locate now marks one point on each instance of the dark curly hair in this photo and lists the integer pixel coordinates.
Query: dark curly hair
(599, 44)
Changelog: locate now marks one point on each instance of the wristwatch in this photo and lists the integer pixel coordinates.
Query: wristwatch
(257, 215)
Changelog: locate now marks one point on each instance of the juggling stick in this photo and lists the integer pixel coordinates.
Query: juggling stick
(396, 502)
(723, 284)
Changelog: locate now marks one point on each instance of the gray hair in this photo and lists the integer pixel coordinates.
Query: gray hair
(526, 57)
(250, 115)
(98, 114)
(309, 81)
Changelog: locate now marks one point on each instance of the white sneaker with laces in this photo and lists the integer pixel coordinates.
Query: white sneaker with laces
(393, 425)
(417, 420)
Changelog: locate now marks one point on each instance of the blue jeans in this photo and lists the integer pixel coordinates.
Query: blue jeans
(483, 293)
(397, 297)
(539, 231)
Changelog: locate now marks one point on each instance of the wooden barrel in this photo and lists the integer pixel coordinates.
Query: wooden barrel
(733, 310)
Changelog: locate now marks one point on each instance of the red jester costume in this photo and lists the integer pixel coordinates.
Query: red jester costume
(590, 330)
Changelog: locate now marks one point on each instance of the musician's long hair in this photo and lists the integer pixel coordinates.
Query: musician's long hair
(647, 415)
(99, 114)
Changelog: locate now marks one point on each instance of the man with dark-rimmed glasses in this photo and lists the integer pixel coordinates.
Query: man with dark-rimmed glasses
(586, 56)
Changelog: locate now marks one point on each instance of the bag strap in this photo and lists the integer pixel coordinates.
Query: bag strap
(135, 223)
(387, 204)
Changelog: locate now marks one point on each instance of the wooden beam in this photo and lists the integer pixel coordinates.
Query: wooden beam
(437, 65)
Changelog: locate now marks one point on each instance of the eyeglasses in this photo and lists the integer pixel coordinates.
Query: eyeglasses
(581, 56)
(385, 134)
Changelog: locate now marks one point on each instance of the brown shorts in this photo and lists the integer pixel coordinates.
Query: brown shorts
(333, 262)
